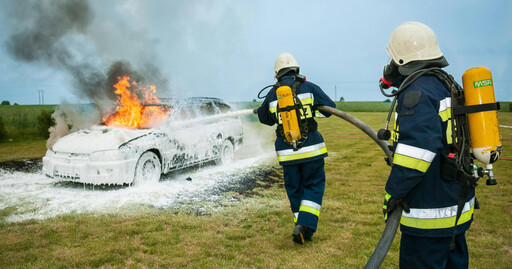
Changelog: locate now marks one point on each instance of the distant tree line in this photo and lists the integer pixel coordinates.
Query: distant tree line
(7, 103)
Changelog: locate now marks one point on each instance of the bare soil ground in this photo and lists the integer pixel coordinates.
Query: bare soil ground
(32, 165)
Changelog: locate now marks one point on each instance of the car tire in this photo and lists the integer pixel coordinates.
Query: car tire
(148, 168)
(227, 153)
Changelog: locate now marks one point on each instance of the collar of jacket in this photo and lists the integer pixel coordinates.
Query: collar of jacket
(414, 66)
(286, 79)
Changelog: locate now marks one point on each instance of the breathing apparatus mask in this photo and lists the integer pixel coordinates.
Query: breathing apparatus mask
(404, 76)
(389, 74)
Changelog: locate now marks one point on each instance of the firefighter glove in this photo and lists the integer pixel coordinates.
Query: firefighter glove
(390, 204)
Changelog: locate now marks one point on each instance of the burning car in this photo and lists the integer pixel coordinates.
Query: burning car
(193, 131)
(114, 155)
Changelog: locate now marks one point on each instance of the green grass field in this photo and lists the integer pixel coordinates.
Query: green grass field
(255, 232)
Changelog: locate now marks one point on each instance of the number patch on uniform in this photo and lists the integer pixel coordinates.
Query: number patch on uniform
(307, 108)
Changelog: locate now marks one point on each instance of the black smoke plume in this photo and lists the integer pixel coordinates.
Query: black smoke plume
(54, 33)
(58, 34)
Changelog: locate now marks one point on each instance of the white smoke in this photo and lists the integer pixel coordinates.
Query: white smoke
(71, 118)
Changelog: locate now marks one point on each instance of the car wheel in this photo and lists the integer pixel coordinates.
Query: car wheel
(227, 153)
(148, 168)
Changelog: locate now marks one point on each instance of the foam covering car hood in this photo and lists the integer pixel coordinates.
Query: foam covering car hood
(97, 138)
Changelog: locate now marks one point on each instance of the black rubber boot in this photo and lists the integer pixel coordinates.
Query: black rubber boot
(298, 234)
(308, 234)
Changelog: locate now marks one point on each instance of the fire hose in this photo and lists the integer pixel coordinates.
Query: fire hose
(359, 124)
(382, 248)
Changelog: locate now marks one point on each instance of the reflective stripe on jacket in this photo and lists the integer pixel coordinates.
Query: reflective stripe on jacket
(303, 153)
(437, 218)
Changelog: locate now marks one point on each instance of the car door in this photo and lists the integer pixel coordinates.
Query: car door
(182, 137)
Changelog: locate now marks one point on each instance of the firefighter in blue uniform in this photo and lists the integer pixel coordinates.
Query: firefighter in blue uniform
(421, 135)
(303, 169)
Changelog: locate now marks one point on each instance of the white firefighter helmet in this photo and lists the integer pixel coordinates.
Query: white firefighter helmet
(413, 41)
(285, 62)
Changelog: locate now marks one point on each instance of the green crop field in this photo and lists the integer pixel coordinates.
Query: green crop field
(255, 231)
(20, 121)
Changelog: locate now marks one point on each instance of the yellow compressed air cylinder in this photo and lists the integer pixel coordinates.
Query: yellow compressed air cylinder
(288, 117)
(483, 126)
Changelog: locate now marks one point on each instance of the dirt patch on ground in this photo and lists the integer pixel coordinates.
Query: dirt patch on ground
(234, 188)
(27, 166)
(260, 178)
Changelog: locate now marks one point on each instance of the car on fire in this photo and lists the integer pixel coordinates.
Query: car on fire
(192, 134)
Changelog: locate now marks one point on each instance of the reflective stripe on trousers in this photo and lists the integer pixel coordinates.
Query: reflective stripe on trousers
(310, 207)
(307, 206)
(437, 218)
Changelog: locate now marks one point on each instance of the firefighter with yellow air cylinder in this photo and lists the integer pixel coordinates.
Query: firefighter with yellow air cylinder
(437, 123)
(299, 146)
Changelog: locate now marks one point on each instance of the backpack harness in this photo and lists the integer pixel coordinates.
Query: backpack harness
(306, 125)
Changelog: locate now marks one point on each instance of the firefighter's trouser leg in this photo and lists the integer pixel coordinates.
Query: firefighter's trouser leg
(433, 252)
(305, 184)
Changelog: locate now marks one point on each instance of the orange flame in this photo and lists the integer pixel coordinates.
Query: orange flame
(131, 113)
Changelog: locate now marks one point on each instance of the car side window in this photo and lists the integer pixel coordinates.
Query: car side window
(213, 108)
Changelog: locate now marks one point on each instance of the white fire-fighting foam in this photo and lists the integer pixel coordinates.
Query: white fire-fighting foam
(212, 118)
(34, 196)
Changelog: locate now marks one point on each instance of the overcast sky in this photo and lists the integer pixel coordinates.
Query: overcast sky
(227, 49)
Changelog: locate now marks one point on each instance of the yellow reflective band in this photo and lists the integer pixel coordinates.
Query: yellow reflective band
(307, 101)
(446, 114)
(306, 96)
(411, 162)
(440, 223)
(449, 133)
(314, 211)
(304, 155)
